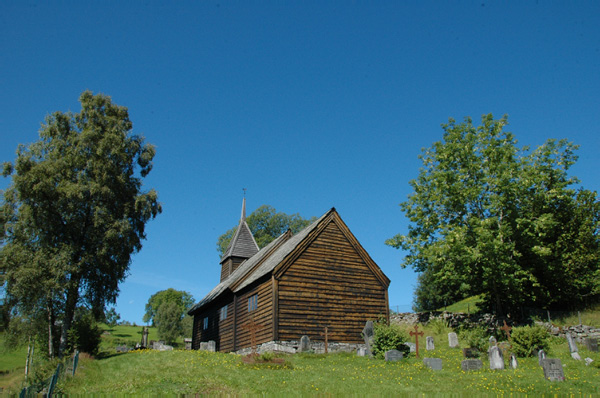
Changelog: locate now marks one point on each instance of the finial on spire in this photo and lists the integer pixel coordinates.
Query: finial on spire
(243, 218)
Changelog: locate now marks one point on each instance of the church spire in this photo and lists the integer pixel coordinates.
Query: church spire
(243, 217)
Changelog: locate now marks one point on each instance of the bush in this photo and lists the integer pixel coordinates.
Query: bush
(527, 339)
(476, 337)
(85, 334)
(388, 337)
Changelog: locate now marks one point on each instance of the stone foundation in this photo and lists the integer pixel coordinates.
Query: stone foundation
(291, 347)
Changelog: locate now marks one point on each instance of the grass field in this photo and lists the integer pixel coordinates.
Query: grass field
(191, 372)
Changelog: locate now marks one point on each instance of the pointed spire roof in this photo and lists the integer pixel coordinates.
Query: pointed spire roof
(242, 244)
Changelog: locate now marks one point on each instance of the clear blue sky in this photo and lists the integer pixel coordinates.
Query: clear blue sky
(307, 104)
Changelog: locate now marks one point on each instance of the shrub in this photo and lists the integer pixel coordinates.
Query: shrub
(527, 339)
(476, 337)
(388, 337)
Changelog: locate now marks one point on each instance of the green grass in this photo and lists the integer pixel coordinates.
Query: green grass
(468, 305)
(191, 372)
(123, 335)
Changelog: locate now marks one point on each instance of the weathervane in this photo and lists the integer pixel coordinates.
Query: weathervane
(244, 189)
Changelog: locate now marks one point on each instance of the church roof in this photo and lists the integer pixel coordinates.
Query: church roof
(242, 243)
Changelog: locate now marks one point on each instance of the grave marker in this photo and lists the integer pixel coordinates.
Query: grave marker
(253, 327)
(471, 353)
(429, 345)
(506, 330)
(452, 340)
(393, 355)
(326, 334)
(513, 361)
(304, 344)
(433, 363)
(496, 358)
(553, 369)
(471, 364)
(416, 333)
(541, 356)
(368, 332)
(592, 344)
(492, 340)
(571, 342)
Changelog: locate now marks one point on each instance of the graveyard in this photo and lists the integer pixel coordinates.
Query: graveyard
(446, 369)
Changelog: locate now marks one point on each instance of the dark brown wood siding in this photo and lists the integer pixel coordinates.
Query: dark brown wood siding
(329, 284)
(262, 315)
(221, 331)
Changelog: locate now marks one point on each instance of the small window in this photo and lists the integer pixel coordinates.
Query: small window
(205, 323)
(253, 303)
(223, 313)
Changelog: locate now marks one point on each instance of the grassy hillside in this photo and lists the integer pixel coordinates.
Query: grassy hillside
(191, 372)
(468, 305)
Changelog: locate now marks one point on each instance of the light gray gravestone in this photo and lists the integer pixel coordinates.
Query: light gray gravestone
(188, 343)
(592, 344)
(393, 355)
(203, 346)
(471, 364)
(496, 358)
(304, 344)
(576, 356)
(211, 346)
(411, 346)
(361, 352)
(513, 361)
(492, 340)
(429, 345)
(433, 363)
(553, 369)
(571, 342)
(368, 332)
(145, 332)
(452, 340)
(541, 356)
(588, 361)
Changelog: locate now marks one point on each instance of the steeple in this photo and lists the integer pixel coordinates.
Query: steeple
(241, 247)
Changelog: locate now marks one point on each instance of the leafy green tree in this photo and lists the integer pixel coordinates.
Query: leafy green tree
(111, 317)
(183, 300)
(168, 321)
(487, 217)
(75, 212)
(266, 225)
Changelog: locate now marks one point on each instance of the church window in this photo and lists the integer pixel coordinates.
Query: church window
(223, 313)
(205, 323)
(253, 303)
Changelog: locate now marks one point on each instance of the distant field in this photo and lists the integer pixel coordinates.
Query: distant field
(468, 305)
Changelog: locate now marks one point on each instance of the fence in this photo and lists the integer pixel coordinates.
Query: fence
(48, 385)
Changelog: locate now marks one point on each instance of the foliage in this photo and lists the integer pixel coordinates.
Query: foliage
(439, 327)
(488, 218)
(85, 334)
(111, 317)
(468, 305)
(75, 212)
(388, 337)
(475, 337)
(527, 339)
(168, 321)
(183, 300)
(266, 225)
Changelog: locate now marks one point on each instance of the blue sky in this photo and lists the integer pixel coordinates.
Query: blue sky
(309, 105)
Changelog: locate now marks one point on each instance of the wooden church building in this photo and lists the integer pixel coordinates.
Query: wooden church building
(296, 285)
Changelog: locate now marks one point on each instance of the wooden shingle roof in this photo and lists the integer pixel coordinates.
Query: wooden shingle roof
(242, 244)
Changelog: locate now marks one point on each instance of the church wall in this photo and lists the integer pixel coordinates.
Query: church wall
(262, 315)
(220, 331)
(329, 284)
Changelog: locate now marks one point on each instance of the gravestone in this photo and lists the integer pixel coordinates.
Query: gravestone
(571, 342)
(188, 343)
(471, 364)
(368, 333)
(361, 351)
(592, 344)
(211, 346)
(541, 356)
(411, 346)
(452, 340)
(470, 353)
(433, 363)
(513, 361)
(304, 344)
(553, 369)
(203, 346)
(496, 358)
(429, 346)
(492, 340)
(588, 361)
(393, 355)
(576, 356)
(145, 332)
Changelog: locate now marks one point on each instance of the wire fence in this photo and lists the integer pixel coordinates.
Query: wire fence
(46, 387)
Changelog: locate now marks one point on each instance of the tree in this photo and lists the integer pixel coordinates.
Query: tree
(487, 217)
(266, 225)
(112, 317)
(168, 320)
(183, 301)
(75, 212)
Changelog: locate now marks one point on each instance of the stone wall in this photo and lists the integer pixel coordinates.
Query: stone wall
(291, 347)
(454, 320)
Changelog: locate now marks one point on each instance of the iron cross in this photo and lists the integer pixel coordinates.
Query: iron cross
(416, 333)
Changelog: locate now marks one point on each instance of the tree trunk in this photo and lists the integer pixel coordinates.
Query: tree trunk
(70, 305)
(50, 324)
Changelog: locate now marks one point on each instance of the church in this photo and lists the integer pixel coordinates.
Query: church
(296, 285)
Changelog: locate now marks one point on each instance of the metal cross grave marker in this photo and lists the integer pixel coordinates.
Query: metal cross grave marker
(253, 327)
(416, 333)
(506, 330)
